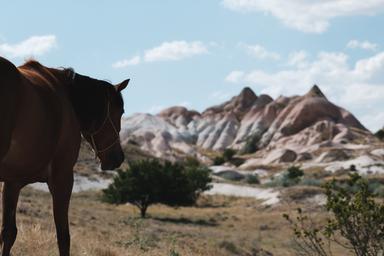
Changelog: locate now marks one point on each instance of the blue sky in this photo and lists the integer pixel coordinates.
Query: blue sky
(199, 53)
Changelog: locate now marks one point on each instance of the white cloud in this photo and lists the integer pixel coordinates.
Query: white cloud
(175, 50)
(127, 62)
(260, 52)
(311, 16)
(235, 76)
(167, 51)
(365, 45)
(358, 87)
(32, 46)
(298, 59)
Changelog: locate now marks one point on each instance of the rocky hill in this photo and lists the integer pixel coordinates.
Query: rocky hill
(287, 129)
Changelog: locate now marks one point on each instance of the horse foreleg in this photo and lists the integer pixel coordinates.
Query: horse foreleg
(11, 191)
(61, 189)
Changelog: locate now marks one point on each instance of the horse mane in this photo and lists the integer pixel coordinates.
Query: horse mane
(87, 95)
(38, 74)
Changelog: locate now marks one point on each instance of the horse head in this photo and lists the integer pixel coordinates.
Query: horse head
(99, 107)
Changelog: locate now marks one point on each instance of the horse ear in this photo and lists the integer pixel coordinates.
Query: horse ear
(121, 86)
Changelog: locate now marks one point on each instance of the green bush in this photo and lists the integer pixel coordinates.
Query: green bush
(292, 176)
(294, 172)
(311, 182)
(380, 134)
(376, 188)
(219, 160)
(148, 182)
(251, 144)
(236, 161)
(252, 179)
(356, 222)
(228, 154)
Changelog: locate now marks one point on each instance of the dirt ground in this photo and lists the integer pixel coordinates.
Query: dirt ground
(218, 225)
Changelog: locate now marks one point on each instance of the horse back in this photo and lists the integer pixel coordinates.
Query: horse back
(9, 91)
(43, 122)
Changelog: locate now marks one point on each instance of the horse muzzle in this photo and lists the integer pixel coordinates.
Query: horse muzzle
(112, 162)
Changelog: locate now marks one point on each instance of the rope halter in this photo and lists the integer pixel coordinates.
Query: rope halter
(92, 135)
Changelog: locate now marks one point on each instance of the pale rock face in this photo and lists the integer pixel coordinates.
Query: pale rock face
(280, 156)
(155, 135)
(285, 130)
(333, 155)
(256, 121)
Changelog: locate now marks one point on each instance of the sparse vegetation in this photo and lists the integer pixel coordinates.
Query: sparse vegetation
(251, 144)
(101, 229)
(148, 182)
(237, 161)
(380, 134)
(292, 176)
(294, 173)
(252, 179)
(311, 182)
(218, 160)
(228, 154)
(356, 222)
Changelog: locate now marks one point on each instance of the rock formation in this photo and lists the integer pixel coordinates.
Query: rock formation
(286, 129)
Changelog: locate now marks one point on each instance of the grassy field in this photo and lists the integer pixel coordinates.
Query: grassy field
(218, 225)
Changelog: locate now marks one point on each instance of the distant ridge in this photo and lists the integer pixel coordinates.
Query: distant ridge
(301, 124)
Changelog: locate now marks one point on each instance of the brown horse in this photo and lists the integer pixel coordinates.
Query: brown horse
(43, 113)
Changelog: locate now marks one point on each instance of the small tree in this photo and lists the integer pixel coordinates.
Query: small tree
(219, 160)
(148, 182)
(294, 172)
(357, 222)
(292, 176)
(380, 134)
(228, 154)
(137, 185)
(251, 144)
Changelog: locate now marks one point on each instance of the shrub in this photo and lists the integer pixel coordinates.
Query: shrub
(219, 160)
(228, 154)
(148, 182)
(294, 172)
(311, 182)
(252, 179)
(290, 177)
(251, 144)
(356, 222)
(376, 188)
(380, 134)
(236, 161)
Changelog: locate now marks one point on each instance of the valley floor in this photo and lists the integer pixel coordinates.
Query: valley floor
(218, 225)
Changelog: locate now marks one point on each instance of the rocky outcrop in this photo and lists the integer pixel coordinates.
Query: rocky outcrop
(280, 156)
(238, 105)
(286, 129)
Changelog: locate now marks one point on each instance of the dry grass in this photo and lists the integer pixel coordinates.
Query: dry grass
(217, 226)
